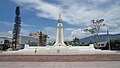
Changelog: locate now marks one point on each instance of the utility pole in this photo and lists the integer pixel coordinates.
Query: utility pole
(108, 37)
(16, 30)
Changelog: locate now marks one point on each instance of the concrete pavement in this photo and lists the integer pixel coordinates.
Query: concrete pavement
(99, 64)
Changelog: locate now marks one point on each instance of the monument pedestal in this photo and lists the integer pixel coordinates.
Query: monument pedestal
(59, 50)
(59, 34)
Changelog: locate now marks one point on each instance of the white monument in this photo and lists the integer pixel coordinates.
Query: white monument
(59, 48)
(59, 34)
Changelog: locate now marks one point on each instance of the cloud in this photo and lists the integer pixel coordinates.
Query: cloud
(10, 32)
(23, 24)
(51, 32)
(73, 11)
(6, 23)
(79, 33)
(26, 29)
(77, 12)
(25, 32)
(69, 33)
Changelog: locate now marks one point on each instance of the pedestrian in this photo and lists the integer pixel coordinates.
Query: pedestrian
(35, 50)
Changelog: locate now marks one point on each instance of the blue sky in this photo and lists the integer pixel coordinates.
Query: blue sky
(37, 15)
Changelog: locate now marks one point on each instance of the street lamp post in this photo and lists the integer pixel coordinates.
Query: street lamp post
(108, 38)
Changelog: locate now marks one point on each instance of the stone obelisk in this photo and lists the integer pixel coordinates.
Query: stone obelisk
(59, 35)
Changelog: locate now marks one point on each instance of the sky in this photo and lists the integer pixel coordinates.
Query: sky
(42, 15)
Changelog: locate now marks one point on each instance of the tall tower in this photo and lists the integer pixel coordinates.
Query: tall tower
(59, 35)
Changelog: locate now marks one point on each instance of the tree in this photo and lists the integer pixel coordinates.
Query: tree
(96, 24)
(16, 30)
(115, 44)
(76, 41)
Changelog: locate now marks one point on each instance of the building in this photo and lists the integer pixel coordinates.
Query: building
(22, 41)
(42, 38)
(28, 40)
(5, 43)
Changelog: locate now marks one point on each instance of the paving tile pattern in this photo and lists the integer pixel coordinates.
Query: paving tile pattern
(101, 64)
(59, 58)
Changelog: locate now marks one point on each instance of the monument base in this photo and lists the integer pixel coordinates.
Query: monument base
(61, 45)
(59, 50)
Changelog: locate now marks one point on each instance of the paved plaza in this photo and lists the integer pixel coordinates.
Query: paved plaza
(100, 64)
(59, 58)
